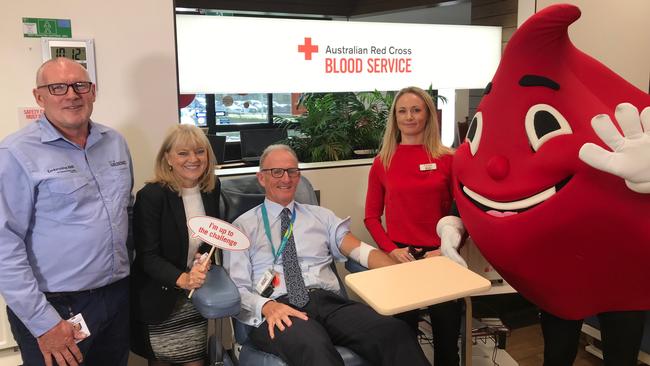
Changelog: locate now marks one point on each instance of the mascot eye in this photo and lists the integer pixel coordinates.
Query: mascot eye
(544, 122)
(474, 132)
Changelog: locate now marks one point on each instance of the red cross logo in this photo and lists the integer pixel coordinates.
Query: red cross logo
(308, 48)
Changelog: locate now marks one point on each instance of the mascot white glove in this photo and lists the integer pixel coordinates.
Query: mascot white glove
(630, 155)
(450, 229)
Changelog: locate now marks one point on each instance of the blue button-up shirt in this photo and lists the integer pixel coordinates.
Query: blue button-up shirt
(318, 234)
(63, 217)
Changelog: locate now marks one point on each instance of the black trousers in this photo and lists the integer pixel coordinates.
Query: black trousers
(445, 329)
(621, 333)
(106, 312)
(445, 324)
(380, 340)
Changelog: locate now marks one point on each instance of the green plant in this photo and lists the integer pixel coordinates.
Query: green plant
(322, 130)
(337, 124)
(370, 119)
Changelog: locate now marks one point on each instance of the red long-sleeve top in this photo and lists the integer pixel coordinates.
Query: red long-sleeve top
(413, 195)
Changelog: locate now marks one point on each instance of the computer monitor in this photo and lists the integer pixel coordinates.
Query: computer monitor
(218, 144)
(253, 142)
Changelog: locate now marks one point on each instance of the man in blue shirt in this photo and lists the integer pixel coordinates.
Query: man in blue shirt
(304, 316)
(65, 185)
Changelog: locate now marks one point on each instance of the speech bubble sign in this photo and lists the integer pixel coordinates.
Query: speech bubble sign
(218, 233)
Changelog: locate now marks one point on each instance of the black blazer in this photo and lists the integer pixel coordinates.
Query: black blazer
(161, 244)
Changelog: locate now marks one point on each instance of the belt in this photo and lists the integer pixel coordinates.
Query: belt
(54, 295)
(309, 289)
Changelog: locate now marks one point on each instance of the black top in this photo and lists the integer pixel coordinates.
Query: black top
(161, 244)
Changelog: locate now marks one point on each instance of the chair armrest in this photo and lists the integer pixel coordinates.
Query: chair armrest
(353, 266)
(241, 331)
(218, 297)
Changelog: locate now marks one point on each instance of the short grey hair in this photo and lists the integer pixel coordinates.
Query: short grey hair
(56, 60)
(275, 147)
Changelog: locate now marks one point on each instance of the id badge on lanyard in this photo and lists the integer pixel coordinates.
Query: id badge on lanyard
(271, 279)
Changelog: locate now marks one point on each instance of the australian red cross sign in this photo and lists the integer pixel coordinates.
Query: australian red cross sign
(289, 55)
(342, 59)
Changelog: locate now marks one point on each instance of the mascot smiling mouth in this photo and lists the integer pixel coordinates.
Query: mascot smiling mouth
(503, 209)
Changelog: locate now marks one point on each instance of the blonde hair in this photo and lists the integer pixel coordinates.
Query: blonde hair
(392, 136)
(191, 137)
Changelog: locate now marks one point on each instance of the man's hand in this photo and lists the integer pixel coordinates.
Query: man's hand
(450, 229)
(630, 151)
(401, 255)
(278, 314)
(59, 342)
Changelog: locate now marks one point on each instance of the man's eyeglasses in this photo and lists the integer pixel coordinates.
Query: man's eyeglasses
(80, 87)
(279, 172)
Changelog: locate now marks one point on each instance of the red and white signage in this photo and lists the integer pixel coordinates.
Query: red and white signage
(218, 233)
(258, 55)
(27, 115)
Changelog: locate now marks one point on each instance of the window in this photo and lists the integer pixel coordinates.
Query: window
(195, 111)
(232, 112)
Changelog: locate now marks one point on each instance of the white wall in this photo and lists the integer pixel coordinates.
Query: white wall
(615, 33)
(343, 190)
(136, 67)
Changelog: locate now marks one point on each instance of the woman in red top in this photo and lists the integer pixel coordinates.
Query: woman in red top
(410, 181)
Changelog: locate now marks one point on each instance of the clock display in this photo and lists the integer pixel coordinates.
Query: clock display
(73, 53)
(81, 51)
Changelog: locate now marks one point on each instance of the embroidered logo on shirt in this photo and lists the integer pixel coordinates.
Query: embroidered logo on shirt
(63, 169)
(117, 163)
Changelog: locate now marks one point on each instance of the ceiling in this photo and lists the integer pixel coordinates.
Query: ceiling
(346, 8)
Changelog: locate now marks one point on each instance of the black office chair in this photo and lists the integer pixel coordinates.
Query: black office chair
(218, 144)
(238, 196)
(253, 142)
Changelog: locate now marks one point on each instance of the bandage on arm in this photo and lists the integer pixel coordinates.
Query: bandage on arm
(361, 253)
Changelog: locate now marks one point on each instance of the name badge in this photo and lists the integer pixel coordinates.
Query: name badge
(426, 167)
(81, 330)
(266, 284)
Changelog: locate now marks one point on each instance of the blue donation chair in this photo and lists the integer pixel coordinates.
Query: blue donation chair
(238, 196)
(217, 300)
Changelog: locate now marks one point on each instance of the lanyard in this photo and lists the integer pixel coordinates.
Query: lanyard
(285, 237)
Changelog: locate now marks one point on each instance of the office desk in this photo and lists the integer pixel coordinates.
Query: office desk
(408, 286)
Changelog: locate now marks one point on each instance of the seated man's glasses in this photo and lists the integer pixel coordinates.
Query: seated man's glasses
(79, 87)
(279, 172)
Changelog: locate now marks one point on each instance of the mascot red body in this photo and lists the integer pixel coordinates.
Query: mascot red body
(572, 238)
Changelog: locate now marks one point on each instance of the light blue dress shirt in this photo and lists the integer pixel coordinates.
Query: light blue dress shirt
(318, 234)
(63, 217)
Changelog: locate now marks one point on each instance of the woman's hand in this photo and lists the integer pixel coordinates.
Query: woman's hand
(197, 275)
(401, 255)
(433, 253)
(195, 278)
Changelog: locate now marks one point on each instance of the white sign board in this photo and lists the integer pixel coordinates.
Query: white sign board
(218, 233)
(260, 55)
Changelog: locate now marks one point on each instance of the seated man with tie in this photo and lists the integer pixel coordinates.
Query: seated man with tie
(299, 315)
